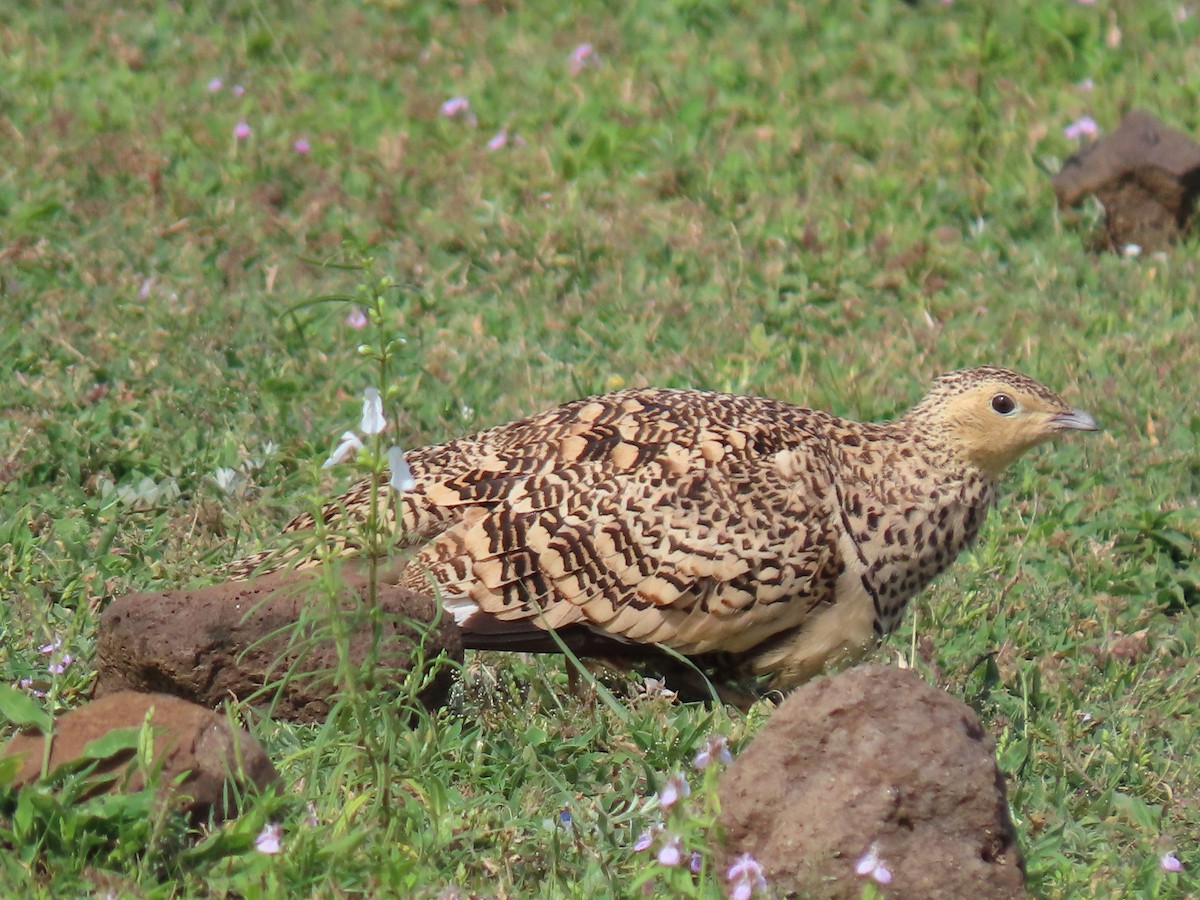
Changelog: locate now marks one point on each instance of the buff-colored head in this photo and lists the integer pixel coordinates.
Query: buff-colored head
(991, 416)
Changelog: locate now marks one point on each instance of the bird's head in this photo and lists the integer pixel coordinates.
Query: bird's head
(991, 416)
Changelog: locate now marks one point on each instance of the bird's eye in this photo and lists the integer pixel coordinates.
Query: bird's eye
(1003, 404)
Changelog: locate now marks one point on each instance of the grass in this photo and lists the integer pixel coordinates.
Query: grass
(825, 202)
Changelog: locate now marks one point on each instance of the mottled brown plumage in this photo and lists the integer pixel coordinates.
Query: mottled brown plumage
(755, 536)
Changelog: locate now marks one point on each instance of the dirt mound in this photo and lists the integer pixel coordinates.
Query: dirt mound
(875, 770)
(1145, 173)
(187, 738)
(228, 640)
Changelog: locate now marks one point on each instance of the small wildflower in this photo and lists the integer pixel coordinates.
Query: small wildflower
(646, 838)
(673, 791)
(147, 286)
(310, 815)
(268, 840)
(1086, 85)
(695, 862)
(1132, 250)
(499, 139)
(357, 318)
(301, 146)
(455, 106)
(27, 684)
(564, 818)
(581, 57)
(60, 666)
(373, 421)
(459, 108)
(656, 687)
(241, 130)
(350, 445)
(50, 647)
(1169, 862)
(745, 876)
(1082, 127)
(402, 481)
(214, 85)
(226, 479)
(670, 854)
(715, 747)
(872, 864)
(238, 90)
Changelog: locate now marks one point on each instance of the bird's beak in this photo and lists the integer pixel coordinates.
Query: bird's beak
(1073, 420)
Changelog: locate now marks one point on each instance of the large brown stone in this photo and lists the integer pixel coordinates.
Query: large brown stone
(220, 762)
(229, 640)
(1145, 173)
(873, 757)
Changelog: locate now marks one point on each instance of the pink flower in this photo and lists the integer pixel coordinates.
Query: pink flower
(670, 853)
(1169, 862)
(214, 85)
(459, 108)
(646, 838)
(745, 876)
(241, 130)
(301, 146)
(581, 57)
(238, 90)
(357, 318)
(715, 747)
(498, 140)
(269, 839)
(27, 684)
(872, 864)
(673, 791)
(1082, 127)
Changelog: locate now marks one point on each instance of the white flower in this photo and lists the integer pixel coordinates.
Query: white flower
(226, 479)
(373, 421)
(268, 840)
(348, 447)
(402, 478)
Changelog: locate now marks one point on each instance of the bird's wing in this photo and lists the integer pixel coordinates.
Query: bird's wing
(712, 546)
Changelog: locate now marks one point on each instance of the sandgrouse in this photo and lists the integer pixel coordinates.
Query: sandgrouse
(756, 537)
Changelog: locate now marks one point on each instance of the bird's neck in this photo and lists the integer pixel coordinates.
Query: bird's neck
(910, 508)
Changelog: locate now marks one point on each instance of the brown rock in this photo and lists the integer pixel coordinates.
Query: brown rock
(187, 739)
(1145, 173)
(873, 756)
(229, 640)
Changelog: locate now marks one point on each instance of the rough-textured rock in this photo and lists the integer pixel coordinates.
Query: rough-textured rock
(873, 756)
(228, 640)
(1145, 173)
(221, 761)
